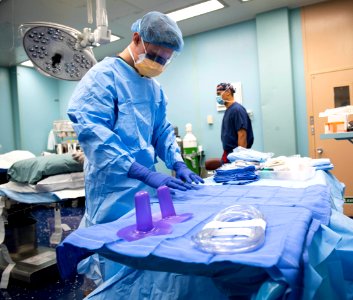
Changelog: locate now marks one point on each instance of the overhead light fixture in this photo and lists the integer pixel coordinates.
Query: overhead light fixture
(243, 1)
(114, 38)
(51, 48)
(195, 10)
(63, 52)
(27, 63)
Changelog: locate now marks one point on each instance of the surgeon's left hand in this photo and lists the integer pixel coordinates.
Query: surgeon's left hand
(185, 174)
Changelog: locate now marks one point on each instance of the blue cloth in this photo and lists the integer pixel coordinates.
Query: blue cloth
(163, 286)
(159, 29)
(290, 214)
(324, 167)
(320, 161)
(239, 175)
(329, 273)
(29, 198)
(241, 181)
(234, 119)
(119, 118)
(251, 155)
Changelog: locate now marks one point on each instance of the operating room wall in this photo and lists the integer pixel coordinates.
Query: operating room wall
(38, 107)
(7, 140)
(298, 76)
(66, 89)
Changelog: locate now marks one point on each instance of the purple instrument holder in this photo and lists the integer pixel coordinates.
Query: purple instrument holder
(167, 207)
(144, 224)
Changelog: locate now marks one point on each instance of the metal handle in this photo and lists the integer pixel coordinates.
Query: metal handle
(319, 151)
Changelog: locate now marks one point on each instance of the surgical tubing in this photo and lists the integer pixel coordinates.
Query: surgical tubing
(238, 228)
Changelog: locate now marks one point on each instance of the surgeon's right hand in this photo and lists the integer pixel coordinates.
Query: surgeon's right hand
(156, 179)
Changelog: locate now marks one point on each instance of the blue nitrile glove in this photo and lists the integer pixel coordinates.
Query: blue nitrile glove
(156, 179)
(185, 174)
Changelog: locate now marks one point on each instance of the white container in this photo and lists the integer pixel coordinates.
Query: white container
(189, 140)
(288, 175)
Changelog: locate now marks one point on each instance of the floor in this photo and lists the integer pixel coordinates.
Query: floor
(54, 287)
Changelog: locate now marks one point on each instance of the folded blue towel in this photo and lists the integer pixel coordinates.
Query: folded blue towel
(236, 175)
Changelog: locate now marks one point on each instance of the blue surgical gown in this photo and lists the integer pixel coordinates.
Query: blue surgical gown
(119, 117)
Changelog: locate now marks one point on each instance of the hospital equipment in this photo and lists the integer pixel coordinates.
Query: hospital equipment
(144, 226)
(63, 52)
(190, 153)
(338, 136)
(301, 216)
(51, 48)
(167, 208)
(148, 225)
(20, 256)
(235, 229)
(337, 118)
(65, 138)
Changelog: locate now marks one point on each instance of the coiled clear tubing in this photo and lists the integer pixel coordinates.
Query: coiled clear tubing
(235, 229)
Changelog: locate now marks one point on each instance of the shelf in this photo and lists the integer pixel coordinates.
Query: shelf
(338, 136)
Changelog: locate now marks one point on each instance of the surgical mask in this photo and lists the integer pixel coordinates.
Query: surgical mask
(220, 100)
(149, 65)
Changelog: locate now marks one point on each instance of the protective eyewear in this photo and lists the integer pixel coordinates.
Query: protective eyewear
(158, 54)
(221, 91)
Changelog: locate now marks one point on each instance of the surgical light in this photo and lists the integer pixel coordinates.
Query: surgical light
(51, 48)
(63, 52)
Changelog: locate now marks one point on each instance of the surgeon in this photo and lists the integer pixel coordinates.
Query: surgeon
(118, 111)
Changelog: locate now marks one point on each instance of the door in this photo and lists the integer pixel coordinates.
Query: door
(331, 90)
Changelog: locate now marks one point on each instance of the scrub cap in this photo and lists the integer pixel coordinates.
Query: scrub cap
(225, 86)
(159, 29)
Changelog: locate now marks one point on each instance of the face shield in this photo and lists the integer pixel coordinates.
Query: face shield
(153, 61)
(158, 54)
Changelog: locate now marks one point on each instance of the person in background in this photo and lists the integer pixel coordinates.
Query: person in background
(236, 124)
(118, 111)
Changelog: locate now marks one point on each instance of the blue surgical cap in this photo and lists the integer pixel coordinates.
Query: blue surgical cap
(159, 29)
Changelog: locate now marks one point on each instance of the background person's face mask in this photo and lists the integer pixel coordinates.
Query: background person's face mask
(219, 98)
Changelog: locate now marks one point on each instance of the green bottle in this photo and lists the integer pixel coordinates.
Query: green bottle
(190, 154)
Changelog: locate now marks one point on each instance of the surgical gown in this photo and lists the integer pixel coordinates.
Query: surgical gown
(119, 117)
